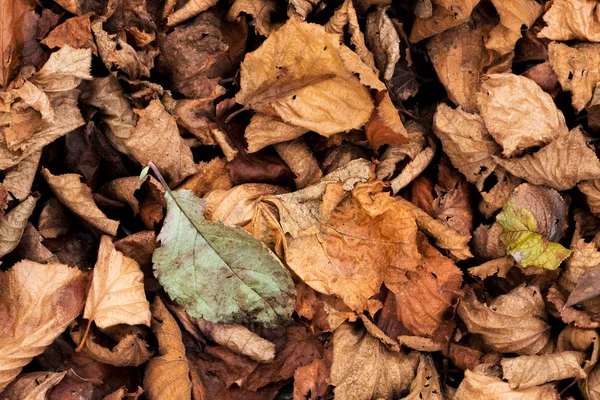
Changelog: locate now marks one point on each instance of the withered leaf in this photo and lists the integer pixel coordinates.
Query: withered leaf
(413, 169)
(212, 175)
(124, 189)
(530, 371)
(383, 41)
(259, 9)
(75, 32)
(265, 130)
(11, 43)
(54, 220)
(385, 125)
(515, 16)
(586, 288)
(77, 197)
(38, 302)
(498, 266)
(441, 19)
(591, 190)
(297, 155)
(189, 10)
(310, 381)
(426, 385)
(572, 19)
(19, 178)
(536, 121)
(512, 323)
(362, 367)
(12, 224)
(31, 248)
(33, 386)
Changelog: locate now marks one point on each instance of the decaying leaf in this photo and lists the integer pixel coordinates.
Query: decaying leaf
(54, 220)
(591, 190)
(124, 189)
(77, 197)
(362, 367)
(19, 178)
(572, 19)
(512, 323)
(515, 16)
(259, 9)
(498, 266)
(264, 130)
(442, 18)
(12, 225)
(426, 385)
(75, 32)
(310, 381)
(297, 155)
(33, 386)
(383, 41)
(11, 42)
(530, 371)
(38, 302)
(167, 374)
(413, 169)
(586, 288)
(189, 10)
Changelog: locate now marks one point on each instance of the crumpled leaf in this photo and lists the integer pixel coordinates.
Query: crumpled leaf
(536, 121)
(325, 312)
(560, 165)
(12, 224)
(123, 393)
(189, 10)
(31, 248)
(311, 87)
(212, 175)
(454, 207)
(75, 32)
(297, 155)
(530, 371)
(586, 288)
(124, 189)
(572, 19)
(498, 266)
(362, 367)
(116, 295)
(156, 138)
(300, 9)
(38, 302)
(385, 125)
(479, 385)
(239, 339)
(441, 19)
(33, 386)
(259, 9)
(533, 219)
(167, 374)
(54, 220)
(64, 70)
(261, 289)
(493, 199)
(413, 169)
(383, 41)
(11, 43)
(265, 130)
(19, 178)
(574, 67)
(512, 323)
(515, 16)
(426, 385)
(591, 190)
(310, 381)
(77, 197)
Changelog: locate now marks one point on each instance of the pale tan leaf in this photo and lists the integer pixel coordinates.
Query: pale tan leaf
(116, 295)
(576, 70)
(34, 97)
(33, 386)
(12, 14)
(38, 301)
(303, 75)
(54, 220)
(512, 323)
(167, 374)
(123, 190)
(156, 138)
(515, 16)
(299, 9)
(77, 197)
(297, 155)
(265, 130)
(573, 338)
(64, 70)
(31, 248)
(363, 368)
(413, 169)
(530, 371)
(239, 339)
(189, 10)
(420, 343)
(259, 9)
(572, 19)
(441, 19)
(426, 385)
(590, 387)
(535, 121)
(19, 178)
(591, 190)
(560, 165)
(224, 143)
(394, 154)
(13, 223)
(383, 41)
(498, 266)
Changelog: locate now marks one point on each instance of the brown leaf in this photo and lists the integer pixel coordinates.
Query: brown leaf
(515, 16)
(239, 339)
(31, 248)
(33, 386)
(11, 42)
(383, 41)
(260, 10)
(123, 393)
(38, 302)
(512, 323)
(310, 381)
(417, 140)
(487, 243)
(479, 385)
(54, 220)
(12, 224)
(297, 155)
(413, 169)
(560, 165)
(189, 10)
(531, 371)
(385, 125)
(19, 178)
(77, 197)
(363, 367)
(195, 115)
(265, 130)
(426, 385)
(308, 87)
(156, 138)
(167, 374)
(75, 32)
(586, 288)
(455, 13)
(591, 190)
(454, 207)
(589, 387)
(421, 194)
(572, 19)
(325, 312)
(124, 190)
(545, 77)
(498, 266)
(582, 340)
(212, 175)
(537, 120)
(493, 199)
(574, 67)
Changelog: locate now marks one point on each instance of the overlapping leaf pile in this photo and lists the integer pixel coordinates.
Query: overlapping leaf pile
(307, 199)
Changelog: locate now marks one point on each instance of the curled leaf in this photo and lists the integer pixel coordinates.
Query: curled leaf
(530, 371)
(572, 19)
(12, 224)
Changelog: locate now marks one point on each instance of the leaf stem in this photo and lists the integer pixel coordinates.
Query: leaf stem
(85, 335)
(154, 169)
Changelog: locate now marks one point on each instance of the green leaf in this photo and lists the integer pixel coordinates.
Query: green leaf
(530, 218)
(220, 273)
(144, 172)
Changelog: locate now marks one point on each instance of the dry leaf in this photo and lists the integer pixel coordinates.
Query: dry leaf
(33, 386)
(586, 287)
(189, 10)
(11, 43)
(545, 77)
(582, 340)
(385, 126)
(124, 190)
(308, 87)
(239, 339)
(123, 393)
(441, 19)
(537, 120)
(363, 368)
(31, 248)
(156, 138)
(560, 165)
(297, 155)
(530, 371)
(19, 178)
(515, 16)
(383, 41)
(116, 295)
(493, 199)
(167, 374)
(575, 69)
(454, 207)
(426, 385)
(265, 130)
(260, 10)
(498, 266)
(572, 19)
(12, 224)
(325, 313)
(54, 220)
(413, 169)
(75, 32)
(591, 190)
(212, 175)
(38, 302)
(310, 381)
(487, 242)
(512, 323)
(77, 197)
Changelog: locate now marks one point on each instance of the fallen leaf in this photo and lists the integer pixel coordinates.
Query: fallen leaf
(573, 338)
(167, 374)
(54, 220)
(77, 197)
(487, 242)
(591, 190)
(454, 207)
(265, 130)
(362, 367)
(493, 199)
(498, 266)
(383, 41)
(212, 175)
(572, 19)
(31, 248)
(33, 386)
(12, 224)
(75, 32)
(512, 323)
(38, 301)
(385, 125)
(19, 178)
(325, 313)
(413, 169)
(421, 194)
(560, 165)
(260, 10)
(589, 386)
(515, 17)
(441, 19)
(531, 371)
(533, 220)
(536, 122)
(426, 385)
(124, 190)
(239, 339)
(297, 155)
(310, 381)
(261, 291)
(574, 68)
(11, 43)
(123, 393)
(545, 77)
(308, 88)
(189, 10)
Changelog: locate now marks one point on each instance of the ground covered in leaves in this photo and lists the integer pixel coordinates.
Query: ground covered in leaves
(303, 199)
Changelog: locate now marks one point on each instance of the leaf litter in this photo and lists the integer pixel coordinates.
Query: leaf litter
(302, 199)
